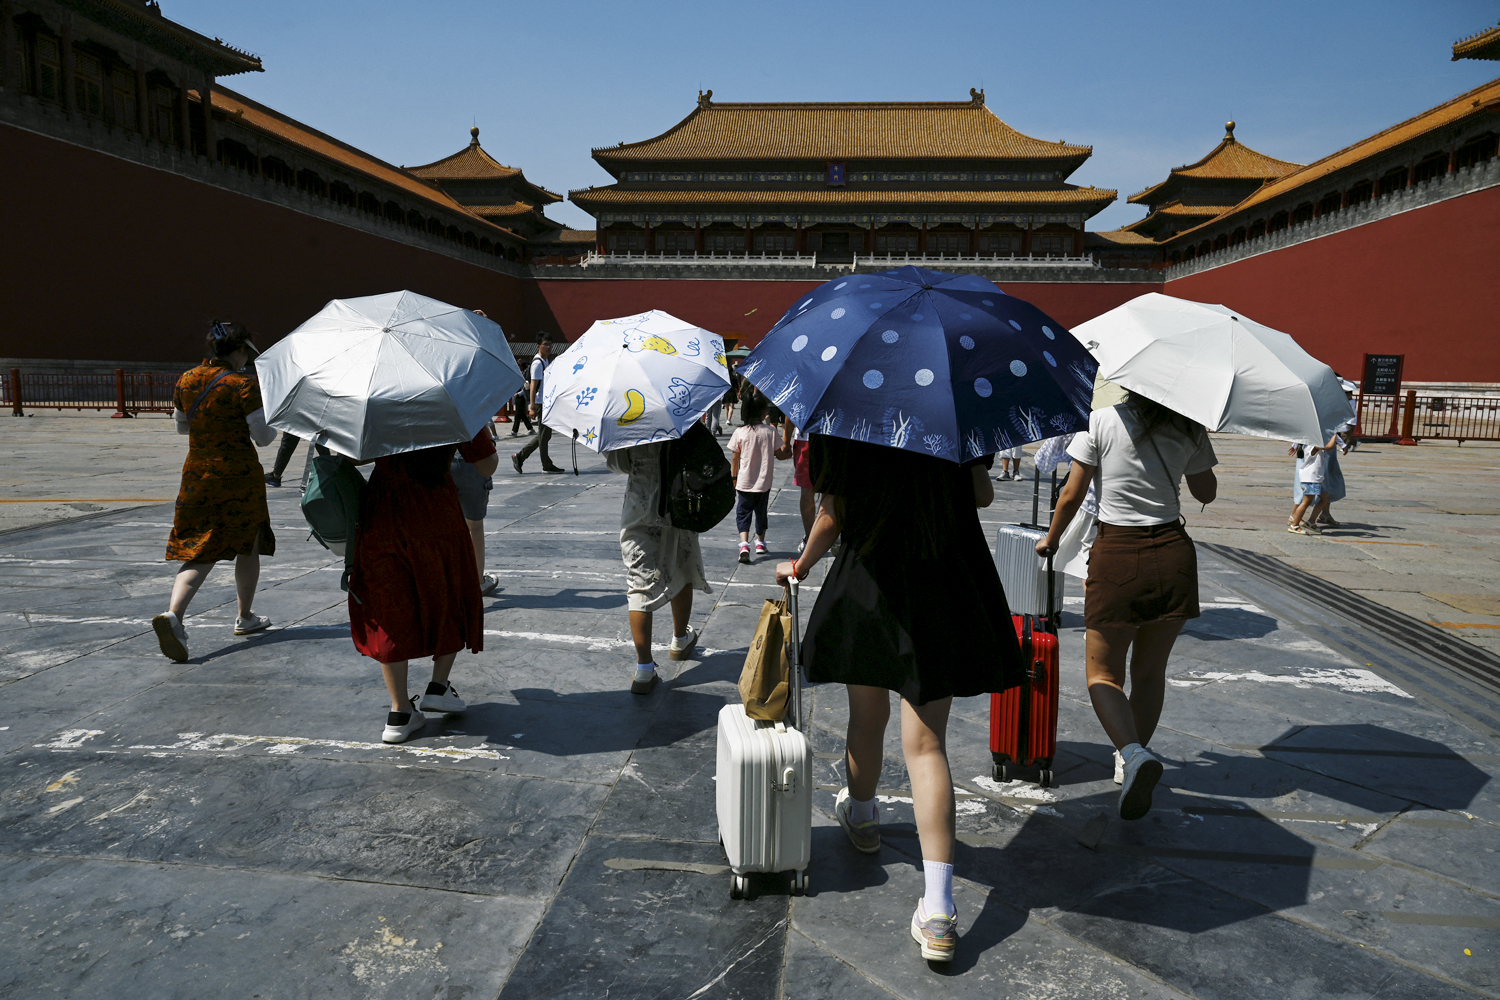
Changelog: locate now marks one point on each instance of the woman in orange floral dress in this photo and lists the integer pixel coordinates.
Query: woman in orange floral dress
(221, 508)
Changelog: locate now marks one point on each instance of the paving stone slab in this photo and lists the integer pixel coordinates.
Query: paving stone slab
(108, 929)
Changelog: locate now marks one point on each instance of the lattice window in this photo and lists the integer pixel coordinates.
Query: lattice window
(122, 111)
(1051, 245)
(896, 243)
(676, 241)
(721, 241)
(774, 242)
(626, 241)
(1477, 150)
(88, 84)
(162, 108)
(948, 243)
(48, 68)
(1000, 243)
(1432, 165)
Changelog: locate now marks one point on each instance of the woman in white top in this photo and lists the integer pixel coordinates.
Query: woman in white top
(1143, 571)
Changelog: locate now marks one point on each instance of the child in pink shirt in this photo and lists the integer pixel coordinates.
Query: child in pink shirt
(752, 462)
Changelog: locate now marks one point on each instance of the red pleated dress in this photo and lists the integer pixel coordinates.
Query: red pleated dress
(414, 590)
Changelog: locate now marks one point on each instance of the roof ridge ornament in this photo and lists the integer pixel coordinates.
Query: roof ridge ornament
(976, 97)
(474, 136)
(1229, 131)
(705, 99)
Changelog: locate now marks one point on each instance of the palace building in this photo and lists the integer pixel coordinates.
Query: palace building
(842, 180)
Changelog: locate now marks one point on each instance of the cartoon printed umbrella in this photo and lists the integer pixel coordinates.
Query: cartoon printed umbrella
(942, 364)
(385, 374)
(634, 380)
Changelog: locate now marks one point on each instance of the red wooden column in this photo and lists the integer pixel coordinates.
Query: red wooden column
(142, 109)
(697, 236)
(749, 237)
(922, 237)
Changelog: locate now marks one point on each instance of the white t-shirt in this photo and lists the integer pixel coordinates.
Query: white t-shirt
(1134, 487)
(1314, 465)
(756, 446)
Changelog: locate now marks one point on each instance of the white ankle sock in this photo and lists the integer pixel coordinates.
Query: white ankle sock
(685, 634)
(644, 671)
(939, 896)
(861, 812)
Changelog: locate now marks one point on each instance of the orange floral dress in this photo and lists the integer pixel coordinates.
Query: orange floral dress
(221, 507)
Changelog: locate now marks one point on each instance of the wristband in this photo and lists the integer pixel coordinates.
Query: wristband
(800, 576)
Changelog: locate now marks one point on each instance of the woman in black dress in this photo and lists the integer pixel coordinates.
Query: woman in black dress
(914, 605)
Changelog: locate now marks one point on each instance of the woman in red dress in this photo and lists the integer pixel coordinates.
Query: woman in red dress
(414, 589)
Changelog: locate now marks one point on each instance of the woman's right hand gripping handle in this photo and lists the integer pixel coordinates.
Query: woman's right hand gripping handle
(1073, 492)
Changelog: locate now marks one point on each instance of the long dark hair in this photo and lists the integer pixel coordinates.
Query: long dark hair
(428, 466)
(1153, 415)
(753, 410)
(919, 501)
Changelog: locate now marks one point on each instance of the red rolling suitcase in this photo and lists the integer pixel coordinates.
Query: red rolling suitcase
(1023, 720)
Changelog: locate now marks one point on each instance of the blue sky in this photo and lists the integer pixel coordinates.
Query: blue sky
(1147, 84)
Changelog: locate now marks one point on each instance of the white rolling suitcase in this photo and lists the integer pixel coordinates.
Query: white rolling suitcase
(764, 793)
(1023, 573)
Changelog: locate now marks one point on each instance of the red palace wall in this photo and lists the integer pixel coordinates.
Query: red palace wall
(1425, 283)
(747, 309)
(103, 258)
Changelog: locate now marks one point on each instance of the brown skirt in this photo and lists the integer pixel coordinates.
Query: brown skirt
(1140, 575)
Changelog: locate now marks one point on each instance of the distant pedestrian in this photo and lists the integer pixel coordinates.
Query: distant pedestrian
(1010, 463)
(1312, 475)
(663, 564)
(284, 453)
(539, 365)
(1142, 583)
(413, 588)
(221, 508)
(752, 462)
(711, 418)
(733, 395)
(913, 605)
(520, 406)
(794, 442)
(472, 468)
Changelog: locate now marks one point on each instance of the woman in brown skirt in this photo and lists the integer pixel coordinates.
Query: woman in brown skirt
(1143, 571)
(221, 509)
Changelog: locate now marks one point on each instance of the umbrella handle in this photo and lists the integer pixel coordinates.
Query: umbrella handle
(575, 451)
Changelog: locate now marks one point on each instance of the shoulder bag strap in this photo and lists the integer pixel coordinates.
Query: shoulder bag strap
(204, 394)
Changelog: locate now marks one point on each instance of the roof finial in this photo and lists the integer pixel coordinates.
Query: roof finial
(1229, 131)
(705, 98)
(976, 96)
(474, 136)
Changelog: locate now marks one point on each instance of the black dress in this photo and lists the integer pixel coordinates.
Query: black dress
(913, 602)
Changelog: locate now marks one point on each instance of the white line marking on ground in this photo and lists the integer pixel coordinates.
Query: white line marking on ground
(595, 644)
(70, 739)
(1355, 680)
(197, 742)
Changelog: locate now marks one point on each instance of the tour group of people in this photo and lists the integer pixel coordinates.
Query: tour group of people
(913, 603)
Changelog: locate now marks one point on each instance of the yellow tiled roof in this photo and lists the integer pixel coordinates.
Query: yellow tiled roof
(468, 164)
(946, 130)
(1485, 96)
(263, 119)
(1229, 160)
(842, 197)
(507, 209)
(1484, 45)
(1178, 210)
(1122, 237)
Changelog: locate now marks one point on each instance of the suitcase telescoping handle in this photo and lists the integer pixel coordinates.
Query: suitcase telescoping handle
(795, 706)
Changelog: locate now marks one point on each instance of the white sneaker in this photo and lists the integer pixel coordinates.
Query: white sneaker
(171, 635)
(255, 623)
(682, 649)
(402, 726)
(444, 699)
(1119, 769)
(1142, 772)
(487, 584)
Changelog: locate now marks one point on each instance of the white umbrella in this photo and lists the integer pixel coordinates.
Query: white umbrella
(386, 374)
(1217, 367)
(634, 380)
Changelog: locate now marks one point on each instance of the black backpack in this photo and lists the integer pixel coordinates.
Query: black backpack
(697, 490)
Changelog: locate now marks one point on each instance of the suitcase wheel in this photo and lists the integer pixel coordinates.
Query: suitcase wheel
(739, 887)
(1045, 778)
(799, 883)
(1001, 772)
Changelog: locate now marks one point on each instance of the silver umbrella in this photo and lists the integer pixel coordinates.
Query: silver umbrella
(386, 374)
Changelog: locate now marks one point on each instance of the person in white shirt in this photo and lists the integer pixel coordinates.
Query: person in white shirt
(1312, 471)
(1142, 581)
(539, 366)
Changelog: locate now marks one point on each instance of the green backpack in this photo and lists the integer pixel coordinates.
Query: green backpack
(331, 505)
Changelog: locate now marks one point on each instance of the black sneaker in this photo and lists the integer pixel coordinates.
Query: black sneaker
(516, 461)
(553, 468)
(273, 479)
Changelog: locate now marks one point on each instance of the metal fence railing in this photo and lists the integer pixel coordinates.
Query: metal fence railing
(1411, 418)
(126, 393)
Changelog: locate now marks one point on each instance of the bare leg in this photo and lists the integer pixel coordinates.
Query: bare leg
(864, 744)
(441, 666)
(640, 634)
(1321, 508)
(924, 742)
(189, 578)
(395, 685)
(246, 576)
(1131, 719)
(476, 533)
(682, 612)
(1300, 509)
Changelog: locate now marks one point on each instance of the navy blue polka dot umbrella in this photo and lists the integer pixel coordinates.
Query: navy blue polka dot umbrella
(942, 364)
